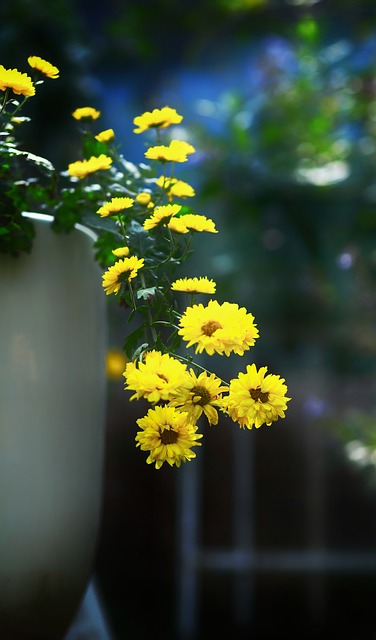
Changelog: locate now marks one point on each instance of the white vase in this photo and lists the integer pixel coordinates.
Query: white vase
(52, 421)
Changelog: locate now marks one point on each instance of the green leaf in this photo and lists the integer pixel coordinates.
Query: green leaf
(95, 221)
(93, 147)
(132, 340)
(146, 293)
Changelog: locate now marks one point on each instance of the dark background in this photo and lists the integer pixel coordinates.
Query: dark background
(279, 98)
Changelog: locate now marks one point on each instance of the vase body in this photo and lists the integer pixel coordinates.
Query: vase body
(52, 423)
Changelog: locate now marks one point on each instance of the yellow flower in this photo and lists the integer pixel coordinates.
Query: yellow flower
(156, 377)
(168, 435)
(82, 168)
(114, 206)
(156, 119)
(256, 398)
(19, 120)
(218, 328)
(86, 113)
(161, 215)
(143, 198)
(196, 222)
(115, 363)
(121, 252)
(177, 225)
(122, 271)
(105, 136)
(194, 285)
(175, 188)
(200, 394)
(181, 189)
(20, 83)
(177, 151)
(43, 66)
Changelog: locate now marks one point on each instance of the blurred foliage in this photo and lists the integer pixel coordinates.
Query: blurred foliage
(291, 168)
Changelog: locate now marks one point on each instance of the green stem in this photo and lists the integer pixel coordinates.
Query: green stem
(4, 100)
(122, 227)
(19, 106)
(167, 324)
(148, 313)
(187, 247)
(134, 306)
(198, 366)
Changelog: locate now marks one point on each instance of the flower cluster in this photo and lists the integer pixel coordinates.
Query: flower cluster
(145, 231)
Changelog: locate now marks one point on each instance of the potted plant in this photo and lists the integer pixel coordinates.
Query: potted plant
(52, 385)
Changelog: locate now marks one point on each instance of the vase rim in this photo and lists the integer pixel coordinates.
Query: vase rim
(46, 217)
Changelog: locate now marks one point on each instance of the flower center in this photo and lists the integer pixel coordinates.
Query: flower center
(162, 377)
(169, 436)
(210, 326)
(200, 396)
(124, 276)
(257, 394)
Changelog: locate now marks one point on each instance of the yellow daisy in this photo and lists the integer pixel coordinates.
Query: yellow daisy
(122, 271)
(86, 113)
(200, 394)
(194, 285)
(197, 222)
(115, 206)
(161, 215)
(177, 151)
(256, 398)
(156, 377)
(175, 188)
(105, 136)
(20, 83)
(218, 328)
(156, 119)
(43, 66)
(82, 168)
(168, 435)
(177, 225)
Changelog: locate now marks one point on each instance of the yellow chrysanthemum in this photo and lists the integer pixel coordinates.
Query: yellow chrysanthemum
(20, 83)
(168, 435)
(175, 188)
(256, 398)
(122, 271)
(155, 378)
(177, 151)
(194, 285)
(105, 136)
(177, 225)
(218, 328)
(86, 113)
(197, 222)
(82, 168)
(143, 198)
(121, 252)
(44, 67)
(156, 119)
(200, 394)
(161, 215)
(115, 206)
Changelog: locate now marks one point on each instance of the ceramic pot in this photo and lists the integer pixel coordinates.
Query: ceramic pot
(52, 424)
